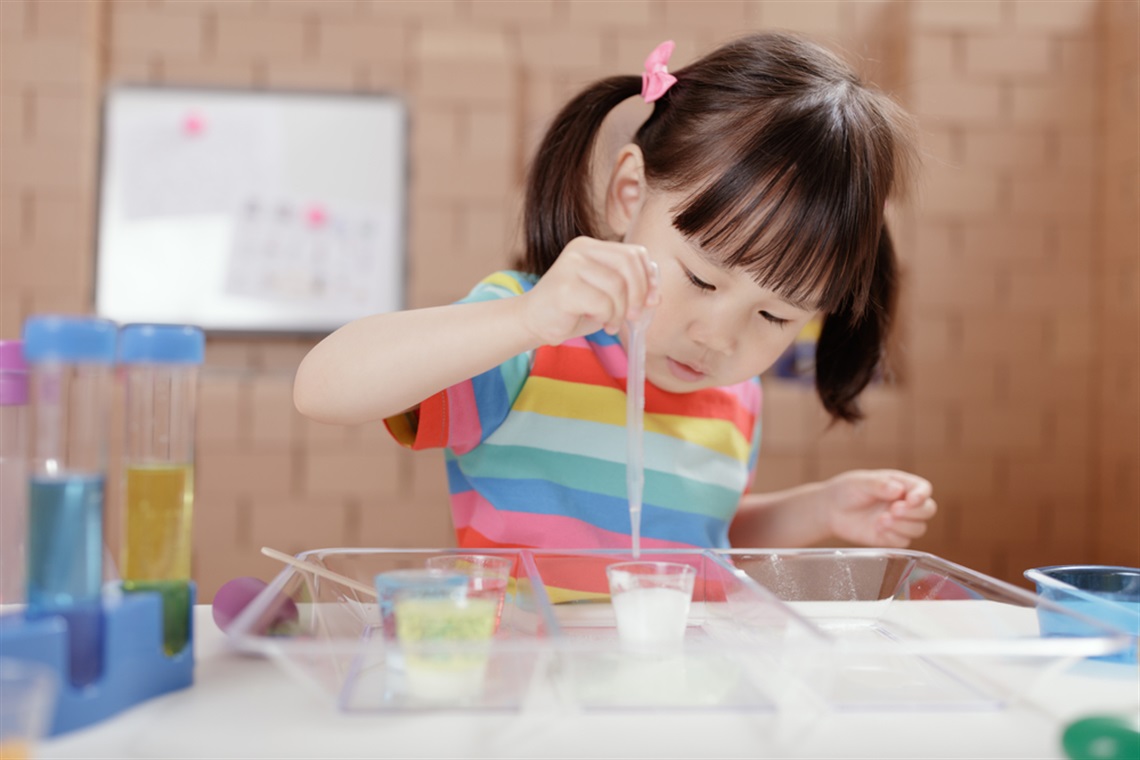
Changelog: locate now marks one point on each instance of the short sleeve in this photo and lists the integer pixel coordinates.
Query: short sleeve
(464, 415)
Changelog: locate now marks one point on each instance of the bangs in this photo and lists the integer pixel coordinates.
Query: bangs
(798, 206)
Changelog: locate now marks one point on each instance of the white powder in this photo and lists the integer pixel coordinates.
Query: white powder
(651, 615)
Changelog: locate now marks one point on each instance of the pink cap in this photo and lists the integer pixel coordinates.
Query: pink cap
(13, 373)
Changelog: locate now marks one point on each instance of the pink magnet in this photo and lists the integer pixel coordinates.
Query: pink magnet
(234, 596)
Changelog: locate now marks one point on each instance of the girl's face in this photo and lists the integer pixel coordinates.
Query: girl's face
(714, 326)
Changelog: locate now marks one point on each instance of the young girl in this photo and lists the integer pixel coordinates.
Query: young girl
(750, 201)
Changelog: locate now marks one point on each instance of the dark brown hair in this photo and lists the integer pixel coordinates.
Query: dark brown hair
(785, 160)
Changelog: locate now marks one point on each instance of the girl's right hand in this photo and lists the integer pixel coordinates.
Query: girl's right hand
(593, 285)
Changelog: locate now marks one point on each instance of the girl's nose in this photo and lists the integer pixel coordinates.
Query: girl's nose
(717, 333)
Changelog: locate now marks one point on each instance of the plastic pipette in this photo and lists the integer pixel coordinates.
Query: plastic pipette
(635, 422)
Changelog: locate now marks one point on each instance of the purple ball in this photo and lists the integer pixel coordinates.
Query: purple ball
(234, 596)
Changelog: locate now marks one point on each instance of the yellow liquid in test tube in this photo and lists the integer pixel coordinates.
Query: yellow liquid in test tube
(156, 549)
(160, 507)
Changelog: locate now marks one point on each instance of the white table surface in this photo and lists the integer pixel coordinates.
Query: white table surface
(245, 706)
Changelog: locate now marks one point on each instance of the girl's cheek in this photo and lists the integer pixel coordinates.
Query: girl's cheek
(658, 328)
(763, 360)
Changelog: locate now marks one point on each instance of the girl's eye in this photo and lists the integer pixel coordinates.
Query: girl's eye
(698, 282)
(774, 319)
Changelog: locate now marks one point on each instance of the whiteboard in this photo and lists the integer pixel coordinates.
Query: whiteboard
(250, 211)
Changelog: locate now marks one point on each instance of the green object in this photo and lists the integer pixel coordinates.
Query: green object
(175, 610)
(1102, 737)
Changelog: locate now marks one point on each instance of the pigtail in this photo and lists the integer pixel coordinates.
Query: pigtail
(559, 206)
(851, 348)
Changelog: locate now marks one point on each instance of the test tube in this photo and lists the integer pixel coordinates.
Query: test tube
(13, 470)
(70, 361)
(160, 367)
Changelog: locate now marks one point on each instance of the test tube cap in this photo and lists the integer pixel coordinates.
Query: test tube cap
(68, 338)
(13, 373)
(161, 344)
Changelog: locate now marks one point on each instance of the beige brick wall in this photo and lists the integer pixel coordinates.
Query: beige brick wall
(1020, 347)
(1115, 466)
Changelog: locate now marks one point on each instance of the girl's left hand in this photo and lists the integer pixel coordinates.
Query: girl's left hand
(887, 508)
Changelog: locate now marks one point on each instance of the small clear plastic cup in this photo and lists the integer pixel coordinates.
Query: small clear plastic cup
(651, 601)
(28, 692)
(487, 575)
(444, 634)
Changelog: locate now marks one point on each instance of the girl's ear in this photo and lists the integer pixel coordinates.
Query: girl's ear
(626, 190)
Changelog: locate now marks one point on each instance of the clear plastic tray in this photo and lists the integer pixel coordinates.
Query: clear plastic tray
(767, 630)
(909, 629)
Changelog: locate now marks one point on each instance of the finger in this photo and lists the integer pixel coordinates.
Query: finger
(904, 509)
(603, 300)
(890, 488)
(919, 492)
(909, 526)
(635, 267)
(654, 296)
(909, 529)
(917, 489)
(622, 271)
(892, 540)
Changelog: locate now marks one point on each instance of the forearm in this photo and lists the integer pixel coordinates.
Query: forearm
(381, 365)
(791, 518)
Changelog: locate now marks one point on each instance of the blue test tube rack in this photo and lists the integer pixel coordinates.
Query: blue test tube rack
(135, 667)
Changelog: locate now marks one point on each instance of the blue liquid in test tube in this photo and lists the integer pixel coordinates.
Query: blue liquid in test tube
(65, 567)
(70, 360)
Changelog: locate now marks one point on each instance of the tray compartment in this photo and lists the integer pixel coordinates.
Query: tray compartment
(740, 648)
(909, 630)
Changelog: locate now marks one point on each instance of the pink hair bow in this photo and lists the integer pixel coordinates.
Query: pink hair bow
(656, 79)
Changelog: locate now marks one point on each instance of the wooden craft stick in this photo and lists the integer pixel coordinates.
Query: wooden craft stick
(315, 569)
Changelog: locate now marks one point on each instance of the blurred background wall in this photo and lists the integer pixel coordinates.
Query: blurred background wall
(1018, 390)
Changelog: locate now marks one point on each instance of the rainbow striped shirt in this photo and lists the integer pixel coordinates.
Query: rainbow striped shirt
(536, 448)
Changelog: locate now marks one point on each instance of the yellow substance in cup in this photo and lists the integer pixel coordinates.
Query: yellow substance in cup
(444, 620)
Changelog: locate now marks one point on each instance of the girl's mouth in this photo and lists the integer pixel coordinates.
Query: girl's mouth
(684, 371)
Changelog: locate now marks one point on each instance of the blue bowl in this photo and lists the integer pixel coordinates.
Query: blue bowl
(1105, 593)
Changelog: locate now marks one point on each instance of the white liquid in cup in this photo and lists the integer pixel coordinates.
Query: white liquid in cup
(651, 615)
